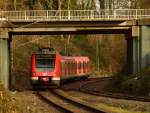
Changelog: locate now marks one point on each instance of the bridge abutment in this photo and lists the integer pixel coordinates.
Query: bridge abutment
(138, 49)
(4, 59)
(133, 55)
(145, 46)
(133, 51)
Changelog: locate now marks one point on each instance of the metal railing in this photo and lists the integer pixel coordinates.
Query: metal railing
(62, 15)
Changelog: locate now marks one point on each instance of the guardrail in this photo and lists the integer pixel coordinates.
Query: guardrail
(62, 15)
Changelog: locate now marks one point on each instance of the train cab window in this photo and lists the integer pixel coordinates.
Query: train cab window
(44, 62)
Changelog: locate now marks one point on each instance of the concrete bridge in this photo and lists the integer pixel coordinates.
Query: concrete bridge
(132, 22)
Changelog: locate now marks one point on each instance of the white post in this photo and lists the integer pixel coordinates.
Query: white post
(60, 14)
(92, 14)
(136, 13)
(114, 14)
(68, 14)
(25, 15)
(108, 14)
(68, 9)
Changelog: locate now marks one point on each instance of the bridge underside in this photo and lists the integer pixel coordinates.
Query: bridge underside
(59, 31)
(138, 39)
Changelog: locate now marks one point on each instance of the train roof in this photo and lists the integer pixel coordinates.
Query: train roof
(45, 51)
(75, 58)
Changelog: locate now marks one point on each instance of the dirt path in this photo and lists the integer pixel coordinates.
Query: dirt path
(29, 102)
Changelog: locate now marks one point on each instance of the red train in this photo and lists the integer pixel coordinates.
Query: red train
(48, 66)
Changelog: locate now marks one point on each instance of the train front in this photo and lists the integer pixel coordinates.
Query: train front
(43, 67)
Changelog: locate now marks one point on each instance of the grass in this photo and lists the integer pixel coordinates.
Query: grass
(118, 109)
(7, 104)
(138, 84)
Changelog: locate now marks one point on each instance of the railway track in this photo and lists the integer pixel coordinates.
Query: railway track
(69, 104)
(89, 87)
(85, 89)
(116, 95)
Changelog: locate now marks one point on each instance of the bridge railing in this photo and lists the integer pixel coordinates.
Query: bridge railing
(56, 15)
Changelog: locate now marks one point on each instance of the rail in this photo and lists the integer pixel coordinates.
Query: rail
(73, 15)
(59, 99)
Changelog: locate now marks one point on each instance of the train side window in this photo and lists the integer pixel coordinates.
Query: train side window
(71, 67)
(68, 68)
(61, 68)
(76, 68)
(83, 67)
(64, 68)
(88, 67)
(80, 67)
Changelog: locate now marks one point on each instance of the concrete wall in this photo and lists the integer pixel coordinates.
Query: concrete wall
(138, 52)
(145, 46)
(4, 62)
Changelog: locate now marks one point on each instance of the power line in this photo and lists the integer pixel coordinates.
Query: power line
(23, 44)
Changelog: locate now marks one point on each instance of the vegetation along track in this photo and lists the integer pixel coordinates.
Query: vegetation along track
(88, 87)
(69, 104)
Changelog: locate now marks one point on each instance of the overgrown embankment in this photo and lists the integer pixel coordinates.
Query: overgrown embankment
(7, 103)
(138, 84)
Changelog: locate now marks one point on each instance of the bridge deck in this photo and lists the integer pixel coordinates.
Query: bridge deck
(75, 15)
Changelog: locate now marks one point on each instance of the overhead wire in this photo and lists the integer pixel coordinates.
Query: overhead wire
(23, 44)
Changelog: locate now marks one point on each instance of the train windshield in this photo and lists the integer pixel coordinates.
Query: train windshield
(45, 62)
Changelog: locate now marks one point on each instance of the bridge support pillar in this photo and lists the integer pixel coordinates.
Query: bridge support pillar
(145, 46)
(138, 49)
(133, 55)
(134, 51)
(4, 59)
